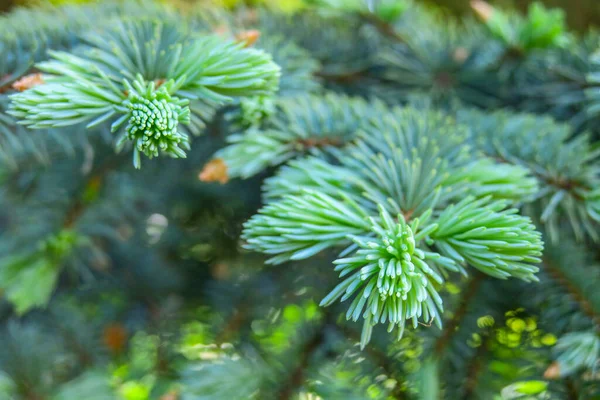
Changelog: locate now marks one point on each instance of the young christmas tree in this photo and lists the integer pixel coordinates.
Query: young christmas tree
(337, 199)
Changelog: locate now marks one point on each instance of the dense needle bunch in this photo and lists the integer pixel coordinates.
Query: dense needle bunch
(152, 120)
(391, 276)
(152, 123)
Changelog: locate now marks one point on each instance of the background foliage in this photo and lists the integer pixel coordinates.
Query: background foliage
(440, 155)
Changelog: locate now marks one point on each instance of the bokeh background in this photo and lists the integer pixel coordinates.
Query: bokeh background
(580, 13)
(139, 359)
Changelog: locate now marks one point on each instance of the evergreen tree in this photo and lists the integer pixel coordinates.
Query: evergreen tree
(301, 181)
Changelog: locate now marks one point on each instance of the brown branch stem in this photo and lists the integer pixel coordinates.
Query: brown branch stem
(474, 371)
(586, 307)
(297, 377)
(450, 327)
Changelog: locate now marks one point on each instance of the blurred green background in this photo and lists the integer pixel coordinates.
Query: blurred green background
(580, 13)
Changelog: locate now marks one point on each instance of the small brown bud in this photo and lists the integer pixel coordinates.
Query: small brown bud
(553, 371)
(214, 171)
(28, 81)
(115, 337)
(249, 37)
(482, 9)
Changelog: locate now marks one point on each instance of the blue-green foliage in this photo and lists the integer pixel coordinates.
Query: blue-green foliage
(380, 161)
(98, 83)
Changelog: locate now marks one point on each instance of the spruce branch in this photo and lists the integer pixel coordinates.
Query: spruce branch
(360, 167)
(450, 63)
(402, 165)
(489, 237)
(400, 160)
(575, 286)
(565, 167)
(297, 126)
(560, 82)
(320, 35)
(569, 307)
(591, 82)
(300, 226)
(577, 351)
(298, 67)
(485, 177)
(59, 103)
(297, 78)
(108, 78)
(253, 111)
(313, 173)
(215, 70)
